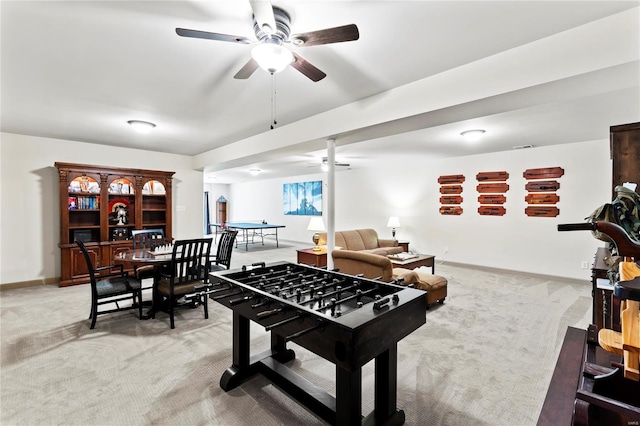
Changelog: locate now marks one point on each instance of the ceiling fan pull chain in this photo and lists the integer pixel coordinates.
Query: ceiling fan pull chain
(273, 101)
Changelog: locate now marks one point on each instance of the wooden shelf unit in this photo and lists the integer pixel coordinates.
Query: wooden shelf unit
(89, 194)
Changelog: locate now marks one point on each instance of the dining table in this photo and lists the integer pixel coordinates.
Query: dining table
(144, 257)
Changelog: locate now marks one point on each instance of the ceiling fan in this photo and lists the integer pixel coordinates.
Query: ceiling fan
(324, 164)
(272, 27)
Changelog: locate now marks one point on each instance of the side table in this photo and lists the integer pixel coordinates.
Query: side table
(404, 245)
(309, 256)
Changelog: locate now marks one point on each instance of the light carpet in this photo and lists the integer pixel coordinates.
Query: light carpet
(485, 357)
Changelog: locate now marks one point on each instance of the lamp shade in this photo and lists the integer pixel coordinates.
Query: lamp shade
(316, 224)
(271, 57)
(394, 222)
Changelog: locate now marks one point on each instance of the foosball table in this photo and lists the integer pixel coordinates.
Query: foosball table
(347, 320)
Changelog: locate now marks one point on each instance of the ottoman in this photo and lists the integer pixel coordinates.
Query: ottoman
(435, 285)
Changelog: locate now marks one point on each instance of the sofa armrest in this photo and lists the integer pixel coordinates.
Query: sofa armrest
(356, 262)
(382, 242)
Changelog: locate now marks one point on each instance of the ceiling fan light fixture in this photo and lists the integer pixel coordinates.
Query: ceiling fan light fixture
(141, 126)
(272, 56)
(473, 135)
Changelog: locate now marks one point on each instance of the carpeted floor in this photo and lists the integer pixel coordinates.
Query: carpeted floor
(485, 357)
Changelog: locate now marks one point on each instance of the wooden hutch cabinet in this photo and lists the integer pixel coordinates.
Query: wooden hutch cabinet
(100, 206)
(625, 156)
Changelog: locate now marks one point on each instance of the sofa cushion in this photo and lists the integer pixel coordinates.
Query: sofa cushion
(369, 238)
(353, 241)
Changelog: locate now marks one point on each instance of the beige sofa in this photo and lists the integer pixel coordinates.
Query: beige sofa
(364, 240)
(380, 267)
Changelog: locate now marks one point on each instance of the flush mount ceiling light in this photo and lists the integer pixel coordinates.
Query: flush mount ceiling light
(254, 172)
(141, 126)
(271, 56)
(473, 135)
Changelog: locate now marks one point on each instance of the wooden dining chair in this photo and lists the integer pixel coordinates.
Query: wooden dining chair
(222, 259)
(189, 268)
(111, 284)
(146, 239)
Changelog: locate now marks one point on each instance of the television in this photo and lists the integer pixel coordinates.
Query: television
(83, 235)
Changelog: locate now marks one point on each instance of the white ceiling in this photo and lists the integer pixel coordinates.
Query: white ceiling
(78, 70)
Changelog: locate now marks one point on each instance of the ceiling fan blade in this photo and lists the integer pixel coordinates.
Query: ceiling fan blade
(212, 36)
(330, 35)
(307, 69)
(263, 14)
(247, 70)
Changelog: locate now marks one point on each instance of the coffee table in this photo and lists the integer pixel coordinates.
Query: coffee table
(416, 262)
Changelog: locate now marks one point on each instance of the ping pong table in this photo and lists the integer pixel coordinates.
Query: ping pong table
(247, 231)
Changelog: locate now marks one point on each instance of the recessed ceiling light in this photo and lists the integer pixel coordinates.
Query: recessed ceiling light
(141, 126)
(254, 172)
(473, 135)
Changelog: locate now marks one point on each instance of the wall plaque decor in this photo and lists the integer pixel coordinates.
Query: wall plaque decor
(493, 187)
(540, 211)
(543, 173)
(492, 199)
(450, 179)
(542, 186)
(450, 199)
(492, 210)
(492, 176)
(495, 190)
(451, 189)
(542, 191)
(541, 199)
(451, 210)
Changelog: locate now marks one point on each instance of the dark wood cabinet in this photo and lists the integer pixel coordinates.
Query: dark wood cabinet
(625, 154)
(221, 210)
(101, 206)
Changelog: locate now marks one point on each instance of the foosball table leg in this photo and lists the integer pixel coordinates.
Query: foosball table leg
(348, 396)
(279, 349)
(241, 367)
(386, 391)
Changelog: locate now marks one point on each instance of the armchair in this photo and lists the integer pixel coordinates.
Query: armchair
(374, 266)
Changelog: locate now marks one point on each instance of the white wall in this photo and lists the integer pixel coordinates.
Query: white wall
(408, 188)
(404, 187)
(29, 213)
